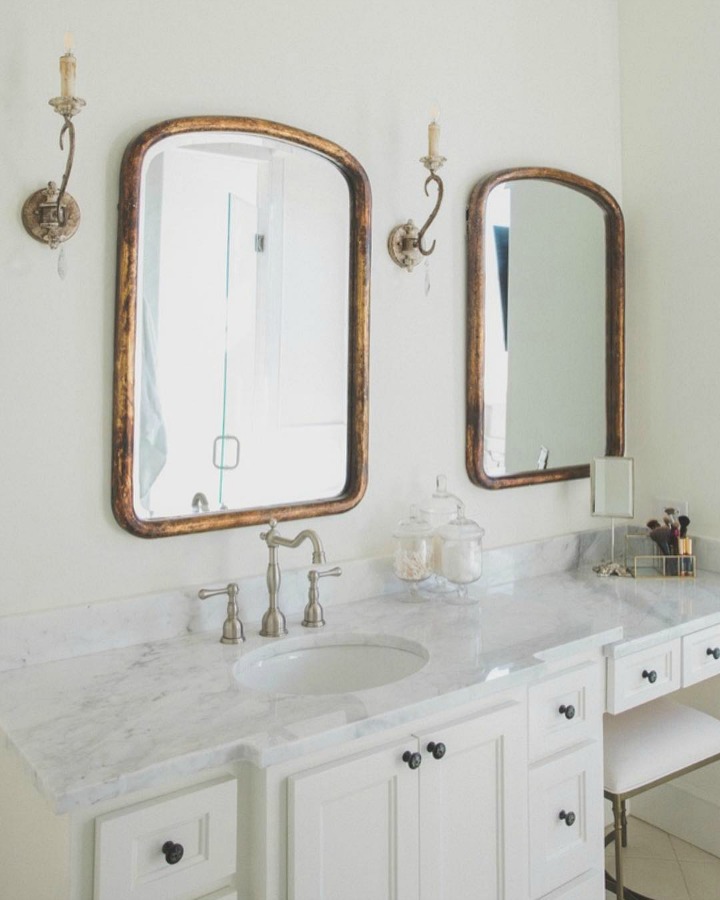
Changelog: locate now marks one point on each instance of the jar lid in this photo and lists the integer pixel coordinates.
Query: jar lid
(442, 505)
(460, 528)
(414, 526)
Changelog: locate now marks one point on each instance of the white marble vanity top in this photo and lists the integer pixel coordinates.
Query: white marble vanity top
(102, 725)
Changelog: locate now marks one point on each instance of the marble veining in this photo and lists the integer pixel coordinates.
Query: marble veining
(75, 631)
(106, 724)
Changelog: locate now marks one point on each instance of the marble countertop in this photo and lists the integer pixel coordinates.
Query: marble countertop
(106, 724)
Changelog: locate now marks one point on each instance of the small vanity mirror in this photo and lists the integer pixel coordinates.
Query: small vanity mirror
(241, 327)
(611, 487)
(545, 345)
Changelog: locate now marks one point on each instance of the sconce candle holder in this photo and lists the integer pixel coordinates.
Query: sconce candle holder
(51, 215)
(405, 242)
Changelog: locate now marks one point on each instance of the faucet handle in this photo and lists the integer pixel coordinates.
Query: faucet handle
(232, 632)
(313, 611)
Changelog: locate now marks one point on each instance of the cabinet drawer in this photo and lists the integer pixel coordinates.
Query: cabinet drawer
(701, 655)
(559, 851)
(588, 886)
(565, 710)
(642, 676)
(129, 858)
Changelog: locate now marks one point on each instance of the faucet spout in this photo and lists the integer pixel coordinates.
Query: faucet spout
(273, 623)
(273, 539)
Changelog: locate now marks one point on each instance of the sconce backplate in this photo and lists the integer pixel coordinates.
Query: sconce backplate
(40, 216)
(403, 245)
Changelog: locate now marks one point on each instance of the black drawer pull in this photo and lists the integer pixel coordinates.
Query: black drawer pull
(651, 675)
(173, 852)
(714, 652)
(569, 817)
(567, 711)
(438, 750)
(412, 759)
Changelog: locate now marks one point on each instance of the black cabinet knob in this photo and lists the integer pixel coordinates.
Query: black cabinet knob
(412, 759)
(567, 711)
(714, 652)
(173, 852)
(568, 817)
(438, 750)
(651, 675)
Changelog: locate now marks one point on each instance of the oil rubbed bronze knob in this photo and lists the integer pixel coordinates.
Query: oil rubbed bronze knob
(173, 852)
(438, 750)
(651, 675)
(568, 817)
(567, 711)
(714, 652)
(412, 759)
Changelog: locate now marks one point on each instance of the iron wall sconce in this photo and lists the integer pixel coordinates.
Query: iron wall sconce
(405, 242)
(51, 215)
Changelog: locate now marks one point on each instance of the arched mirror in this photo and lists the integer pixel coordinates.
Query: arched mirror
(545, 339)
(241, 342)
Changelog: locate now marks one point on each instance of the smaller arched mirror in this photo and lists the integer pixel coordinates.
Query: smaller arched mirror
(241, 340)
(545, 341)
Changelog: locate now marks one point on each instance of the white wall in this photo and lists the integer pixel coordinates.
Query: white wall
(518, 83)
(671, 177)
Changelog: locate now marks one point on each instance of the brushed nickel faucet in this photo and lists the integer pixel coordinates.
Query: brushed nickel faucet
(273, 622)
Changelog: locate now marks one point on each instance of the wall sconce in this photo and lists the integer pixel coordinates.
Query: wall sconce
(405, 242)
(50, 215)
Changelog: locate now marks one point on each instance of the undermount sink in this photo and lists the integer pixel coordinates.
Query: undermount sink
(332, 664)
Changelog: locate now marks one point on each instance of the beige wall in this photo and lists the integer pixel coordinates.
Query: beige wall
(671, 189)
(518, 83)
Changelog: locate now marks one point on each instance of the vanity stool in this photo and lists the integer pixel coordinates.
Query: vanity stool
(645, 747)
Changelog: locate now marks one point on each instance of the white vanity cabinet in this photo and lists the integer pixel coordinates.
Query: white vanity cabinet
(440, 815)
(565, 784)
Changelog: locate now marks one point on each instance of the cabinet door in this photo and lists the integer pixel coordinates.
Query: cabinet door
(353, 829)
(473, 809)
(566, 829)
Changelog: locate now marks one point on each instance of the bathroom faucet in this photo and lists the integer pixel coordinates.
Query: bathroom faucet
(273, 622)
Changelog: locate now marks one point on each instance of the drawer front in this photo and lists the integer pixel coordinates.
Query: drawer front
(701, 655)
(129, 858)
(588, 886)
(642, 676)
(566, 828)
(565, 711)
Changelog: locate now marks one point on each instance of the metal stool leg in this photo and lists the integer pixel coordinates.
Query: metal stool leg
(624, 823)
(618, 810)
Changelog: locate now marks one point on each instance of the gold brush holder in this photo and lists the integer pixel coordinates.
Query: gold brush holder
(652, 564)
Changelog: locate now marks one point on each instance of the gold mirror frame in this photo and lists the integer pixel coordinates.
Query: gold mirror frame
(475, 338)
(123, 440)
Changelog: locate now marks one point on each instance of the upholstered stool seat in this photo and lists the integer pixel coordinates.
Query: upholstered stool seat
(647, 746)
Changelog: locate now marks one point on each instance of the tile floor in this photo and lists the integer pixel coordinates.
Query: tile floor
(664, 867)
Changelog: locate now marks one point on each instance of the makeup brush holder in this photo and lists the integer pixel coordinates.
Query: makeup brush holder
(644, 560)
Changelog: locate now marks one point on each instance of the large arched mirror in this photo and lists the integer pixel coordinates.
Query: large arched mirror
(545, 340)
(241, 342)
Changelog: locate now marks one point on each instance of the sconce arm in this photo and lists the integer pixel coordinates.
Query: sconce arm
(432, 177)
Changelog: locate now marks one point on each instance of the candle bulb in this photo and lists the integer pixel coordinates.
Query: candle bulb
(434, 135)
(67, 68)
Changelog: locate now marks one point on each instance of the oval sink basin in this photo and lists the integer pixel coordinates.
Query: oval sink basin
(334, 664)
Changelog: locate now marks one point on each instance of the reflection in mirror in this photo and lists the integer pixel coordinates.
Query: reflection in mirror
(545, 338)
(241, 341)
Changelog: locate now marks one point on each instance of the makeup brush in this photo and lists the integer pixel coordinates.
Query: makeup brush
(683, 521)
(662, 535)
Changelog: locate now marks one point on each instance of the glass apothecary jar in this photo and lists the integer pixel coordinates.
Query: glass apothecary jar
(459, 544)
(413, 559)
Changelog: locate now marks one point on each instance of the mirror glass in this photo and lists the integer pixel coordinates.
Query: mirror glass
(612, 490)
(243, 378)
(545, 298)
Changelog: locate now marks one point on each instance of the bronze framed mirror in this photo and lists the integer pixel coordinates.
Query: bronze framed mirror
(545, 327)
(242, 327)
